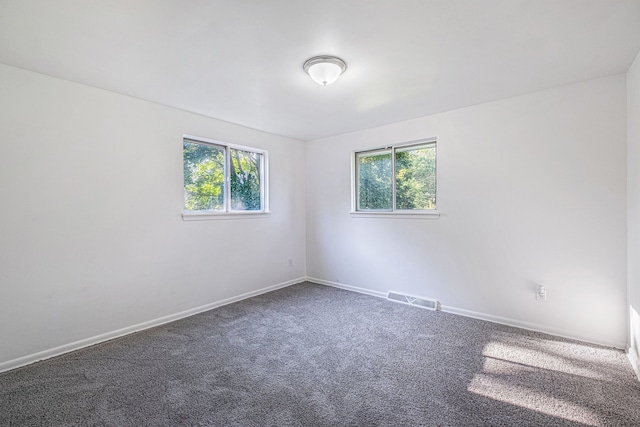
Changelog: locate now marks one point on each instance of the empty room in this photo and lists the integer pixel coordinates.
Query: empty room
(345, 213)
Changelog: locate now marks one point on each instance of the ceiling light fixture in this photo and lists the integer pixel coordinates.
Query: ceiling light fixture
(324, 70)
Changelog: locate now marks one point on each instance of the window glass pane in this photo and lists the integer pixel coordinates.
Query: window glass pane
(374, 181)
(203, 177)
(245, 175)
(416, 177)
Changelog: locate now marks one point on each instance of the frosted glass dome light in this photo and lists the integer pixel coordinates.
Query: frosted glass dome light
(324, 70)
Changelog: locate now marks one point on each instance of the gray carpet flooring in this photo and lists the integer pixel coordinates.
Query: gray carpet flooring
(310, 355)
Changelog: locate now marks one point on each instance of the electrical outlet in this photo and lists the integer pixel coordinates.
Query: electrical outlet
(541, 293)
(290, 262)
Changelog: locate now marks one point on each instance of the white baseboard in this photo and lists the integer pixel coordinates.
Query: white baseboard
(77, 345)
(488, 317)
(347, 287)
(635, 361)
(533, 327)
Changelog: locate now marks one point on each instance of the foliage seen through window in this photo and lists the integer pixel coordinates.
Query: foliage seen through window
(206, 169)
(397, 178)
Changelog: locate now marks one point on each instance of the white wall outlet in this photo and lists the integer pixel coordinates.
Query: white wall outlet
(541, 292)
(290, 262)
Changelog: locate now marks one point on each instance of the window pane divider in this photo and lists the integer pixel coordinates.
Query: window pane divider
(393, 179)
(227, 179)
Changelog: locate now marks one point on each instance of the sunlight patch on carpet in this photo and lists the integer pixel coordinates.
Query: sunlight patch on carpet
(496, 388)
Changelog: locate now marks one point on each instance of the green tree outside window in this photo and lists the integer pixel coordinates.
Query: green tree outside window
(204, 178)
(407, 173)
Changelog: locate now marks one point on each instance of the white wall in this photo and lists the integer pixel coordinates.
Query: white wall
(531, 189)
(633, 220)
(91, 236)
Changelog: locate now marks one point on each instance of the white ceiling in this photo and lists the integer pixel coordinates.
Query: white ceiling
(241, 60)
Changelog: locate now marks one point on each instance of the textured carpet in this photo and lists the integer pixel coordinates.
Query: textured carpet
(310, 355)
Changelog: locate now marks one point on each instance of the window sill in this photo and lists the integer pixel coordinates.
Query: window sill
(413, 215)
(207, 216)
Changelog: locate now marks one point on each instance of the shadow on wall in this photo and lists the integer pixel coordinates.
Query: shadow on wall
(634, 340)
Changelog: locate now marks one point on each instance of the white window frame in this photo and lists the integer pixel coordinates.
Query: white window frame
(229, 213)
(393, 213)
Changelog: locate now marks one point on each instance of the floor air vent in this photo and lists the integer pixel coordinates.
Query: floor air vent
(431, 304)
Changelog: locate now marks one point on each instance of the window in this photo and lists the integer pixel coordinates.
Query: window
(222, 178)
(396, 179)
